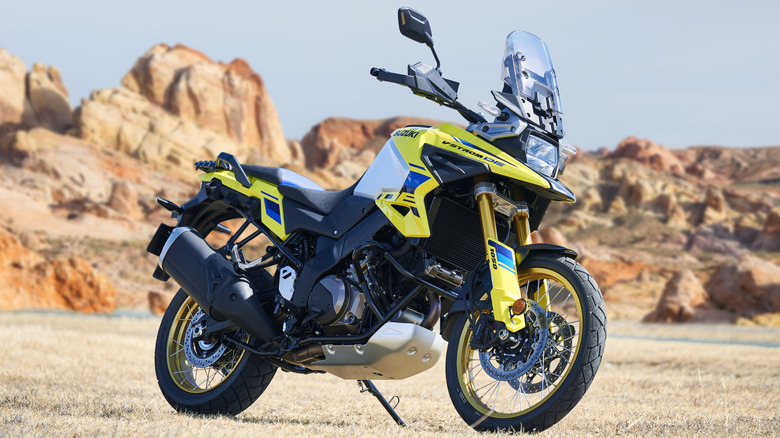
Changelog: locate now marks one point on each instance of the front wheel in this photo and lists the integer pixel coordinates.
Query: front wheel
(529, 380)
(205, 375)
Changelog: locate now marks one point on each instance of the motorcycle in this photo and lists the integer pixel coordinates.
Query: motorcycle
(432, 243)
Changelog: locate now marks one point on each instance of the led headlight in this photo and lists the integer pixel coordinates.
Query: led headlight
(542, 156)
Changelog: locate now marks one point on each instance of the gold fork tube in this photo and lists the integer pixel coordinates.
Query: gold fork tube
(487, 215)
(522, 228)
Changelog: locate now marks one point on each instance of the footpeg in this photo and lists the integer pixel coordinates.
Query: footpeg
(368, 386)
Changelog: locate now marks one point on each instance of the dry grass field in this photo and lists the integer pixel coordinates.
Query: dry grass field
(75, 375)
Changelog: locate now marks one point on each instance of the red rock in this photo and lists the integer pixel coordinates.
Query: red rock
(650, 154)
(747, 286)
(680, 300)
(550, 235)
(29, 281)
(338, 139)
(769, 237)
(609, 272)
(158, 302)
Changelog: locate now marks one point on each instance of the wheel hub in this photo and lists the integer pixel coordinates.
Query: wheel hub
(202, 352)
(509, 364)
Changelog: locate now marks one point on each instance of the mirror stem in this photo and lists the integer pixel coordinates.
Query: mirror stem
(436, 57)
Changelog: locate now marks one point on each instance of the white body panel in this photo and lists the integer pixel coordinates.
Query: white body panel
(387, 173)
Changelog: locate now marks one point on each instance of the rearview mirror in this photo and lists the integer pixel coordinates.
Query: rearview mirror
(415, 26)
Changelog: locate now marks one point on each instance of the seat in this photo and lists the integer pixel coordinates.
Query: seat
(271, 174)
(321, 201)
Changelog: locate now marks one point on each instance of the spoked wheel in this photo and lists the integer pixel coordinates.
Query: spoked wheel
(204, 374)
(529, 380)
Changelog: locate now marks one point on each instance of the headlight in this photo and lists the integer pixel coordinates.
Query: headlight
(542, 156)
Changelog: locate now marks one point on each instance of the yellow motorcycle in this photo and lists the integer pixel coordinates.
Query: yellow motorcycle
(431, 244)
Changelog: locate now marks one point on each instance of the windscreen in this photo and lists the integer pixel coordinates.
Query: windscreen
(528, 69)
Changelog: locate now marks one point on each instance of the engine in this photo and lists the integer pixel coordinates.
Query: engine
(339, 305)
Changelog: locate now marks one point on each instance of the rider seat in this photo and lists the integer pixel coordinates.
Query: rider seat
(300, 189)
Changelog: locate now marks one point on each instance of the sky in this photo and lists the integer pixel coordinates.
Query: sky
(680, 73)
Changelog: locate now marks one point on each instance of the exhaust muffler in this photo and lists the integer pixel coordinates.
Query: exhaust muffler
(214, 284)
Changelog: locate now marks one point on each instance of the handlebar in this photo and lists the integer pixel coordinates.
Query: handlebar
(397, 78)
(436, 88)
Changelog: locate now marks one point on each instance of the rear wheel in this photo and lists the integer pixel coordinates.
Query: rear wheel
(205, 375)
(530, 379)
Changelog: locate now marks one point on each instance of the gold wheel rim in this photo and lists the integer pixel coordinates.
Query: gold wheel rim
(484, 393)
(187, 376)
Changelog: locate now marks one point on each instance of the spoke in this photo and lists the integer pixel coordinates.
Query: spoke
(177, 342)
(177, 352)
(548, 290)
(472, 377)
(495, 396)
(476, 391)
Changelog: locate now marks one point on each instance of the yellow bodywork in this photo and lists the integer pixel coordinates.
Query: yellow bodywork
(272, 209)
(410, 141)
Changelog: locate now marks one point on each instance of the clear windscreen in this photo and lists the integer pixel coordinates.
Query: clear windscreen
(528, 69)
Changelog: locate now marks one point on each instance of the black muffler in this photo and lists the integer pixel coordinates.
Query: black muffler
(214, 284)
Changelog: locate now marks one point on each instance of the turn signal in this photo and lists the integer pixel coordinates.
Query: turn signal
(519, 306)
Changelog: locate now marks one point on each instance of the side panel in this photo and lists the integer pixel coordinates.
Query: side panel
(398, 181)
(271, 200)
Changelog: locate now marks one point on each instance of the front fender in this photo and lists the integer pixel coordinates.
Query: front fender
(460, 306)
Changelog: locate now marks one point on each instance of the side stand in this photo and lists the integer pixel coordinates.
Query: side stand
(368, 386)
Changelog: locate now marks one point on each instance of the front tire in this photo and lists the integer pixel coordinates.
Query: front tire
(518, 388)
(207, 376)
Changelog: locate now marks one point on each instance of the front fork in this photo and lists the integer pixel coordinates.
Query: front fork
(505, 294)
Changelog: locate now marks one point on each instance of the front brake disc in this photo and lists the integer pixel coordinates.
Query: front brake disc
(510, 366)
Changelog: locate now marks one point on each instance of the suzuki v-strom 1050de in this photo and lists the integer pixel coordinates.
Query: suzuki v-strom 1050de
(430, 248)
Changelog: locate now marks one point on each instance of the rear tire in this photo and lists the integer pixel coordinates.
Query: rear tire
(227, 386)
(557, 378)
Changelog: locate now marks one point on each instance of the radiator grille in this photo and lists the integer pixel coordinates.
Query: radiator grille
(456, 234)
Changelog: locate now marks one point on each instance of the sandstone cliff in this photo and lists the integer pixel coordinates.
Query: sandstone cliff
(673, 236)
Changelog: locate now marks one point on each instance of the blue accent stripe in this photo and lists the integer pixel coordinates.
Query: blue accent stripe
(419, 167)
(414, 180)
(505, 253)
(505, 256)
(272, 210)
(504, 259)
(269, 195)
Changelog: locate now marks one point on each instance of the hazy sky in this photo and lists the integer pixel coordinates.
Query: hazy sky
(678, 72)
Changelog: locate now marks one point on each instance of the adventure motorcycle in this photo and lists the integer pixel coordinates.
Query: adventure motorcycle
(355, 282)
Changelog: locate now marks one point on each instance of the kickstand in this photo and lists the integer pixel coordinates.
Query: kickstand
(368, 386)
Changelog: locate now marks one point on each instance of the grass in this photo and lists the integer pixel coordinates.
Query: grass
(75, 375)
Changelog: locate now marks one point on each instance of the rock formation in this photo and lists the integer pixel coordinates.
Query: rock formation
(30, 280)
(746, 286)
(646, 152)
(177, 106)
(35, 98)
(229, 99)
(337, 140)
(680, 300)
